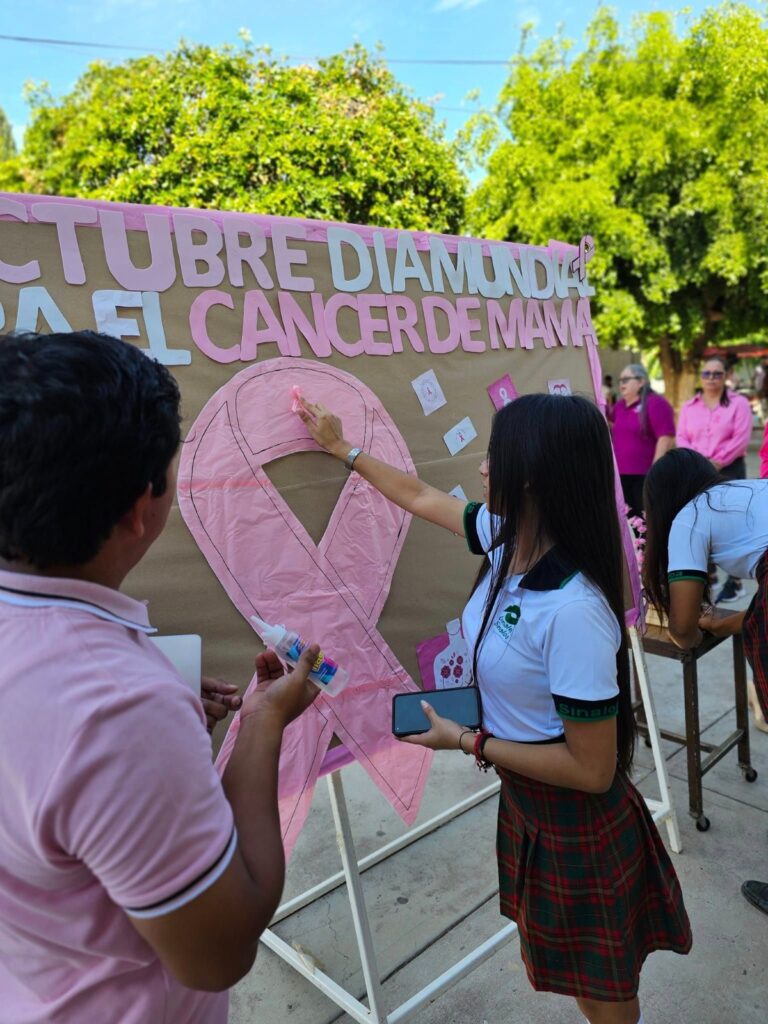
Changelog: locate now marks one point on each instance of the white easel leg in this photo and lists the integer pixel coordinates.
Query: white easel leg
(356, 899)
(663, 809)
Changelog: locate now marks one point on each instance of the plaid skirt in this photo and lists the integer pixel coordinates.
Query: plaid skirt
(590, 885)
(755, 633)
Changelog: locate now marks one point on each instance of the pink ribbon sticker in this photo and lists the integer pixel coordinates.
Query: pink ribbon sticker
(586, 252)
(332, 592)
(502, 392)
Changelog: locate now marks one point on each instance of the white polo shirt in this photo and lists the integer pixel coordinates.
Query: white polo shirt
(728, 524)
(549, 652)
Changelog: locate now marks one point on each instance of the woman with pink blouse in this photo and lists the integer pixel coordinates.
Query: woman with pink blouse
(717, 423)
(643, 429)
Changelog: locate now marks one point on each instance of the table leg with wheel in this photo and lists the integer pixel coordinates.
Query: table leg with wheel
(693, 741)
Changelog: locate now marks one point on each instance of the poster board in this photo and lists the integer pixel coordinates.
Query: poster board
(437, 329)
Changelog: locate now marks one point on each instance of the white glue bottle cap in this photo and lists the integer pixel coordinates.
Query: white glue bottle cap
(271, 635)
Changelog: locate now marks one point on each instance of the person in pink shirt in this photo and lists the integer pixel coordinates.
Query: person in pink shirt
(643, 429)
(717, 423)
(134, 883)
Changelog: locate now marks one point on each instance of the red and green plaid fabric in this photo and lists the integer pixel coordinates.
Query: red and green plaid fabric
(755, 633)
(590, 885)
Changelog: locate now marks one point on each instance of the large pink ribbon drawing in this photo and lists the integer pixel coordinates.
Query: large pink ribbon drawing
(333, 591)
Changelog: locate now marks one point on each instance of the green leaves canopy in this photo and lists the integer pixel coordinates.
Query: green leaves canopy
(658, 147)
(237, 130)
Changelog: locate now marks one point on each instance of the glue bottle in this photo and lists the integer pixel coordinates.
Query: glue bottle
(325, 674)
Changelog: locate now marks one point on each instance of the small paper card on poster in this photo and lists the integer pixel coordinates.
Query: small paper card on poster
(562, 386)
(502, 392)
(429, 392)
(445, 661)
(459, 437)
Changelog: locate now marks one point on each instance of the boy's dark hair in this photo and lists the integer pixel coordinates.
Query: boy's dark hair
(86, 422)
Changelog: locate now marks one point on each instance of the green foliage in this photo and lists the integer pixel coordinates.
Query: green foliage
(7, 145)
(658, 147)
(235, 129)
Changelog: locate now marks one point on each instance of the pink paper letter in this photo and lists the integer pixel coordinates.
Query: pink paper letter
(191, 252)
(257, 305)
(468, 325)
(161, 272)
(294, 317)
(451, 340)
(237, 254)
(371, 325)
(398, 326)
(199, 330)
(8, 271)
(332, 306)
(65, 216)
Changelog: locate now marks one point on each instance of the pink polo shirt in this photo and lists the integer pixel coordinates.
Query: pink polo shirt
(635, 446)
(721, 434)
(109, 802)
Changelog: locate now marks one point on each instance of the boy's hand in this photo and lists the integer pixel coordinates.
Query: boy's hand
(218, 699)
(280, 695)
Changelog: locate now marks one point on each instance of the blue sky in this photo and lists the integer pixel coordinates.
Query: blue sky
(409, 29)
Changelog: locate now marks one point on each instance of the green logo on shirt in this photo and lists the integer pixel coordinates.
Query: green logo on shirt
(507, 621)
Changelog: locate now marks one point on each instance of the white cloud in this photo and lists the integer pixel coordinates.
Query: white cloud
(456, 5)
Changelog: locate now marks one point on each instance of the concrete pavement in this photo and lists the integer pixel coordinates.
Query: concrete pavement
(433, 902)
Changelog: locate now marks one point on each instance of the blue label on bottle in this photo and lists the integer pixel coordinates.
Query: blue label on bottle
(322, 672)
(294, 651)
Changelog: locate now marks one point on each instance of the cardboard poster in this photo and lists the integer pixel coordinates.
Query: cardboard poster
(243, 309)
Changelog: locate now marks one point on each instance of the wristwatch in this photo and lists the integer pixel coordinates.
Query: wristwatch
(350, 459)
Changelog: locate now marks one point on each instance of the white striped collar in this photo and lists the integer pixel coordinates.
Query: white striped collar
(29, 591)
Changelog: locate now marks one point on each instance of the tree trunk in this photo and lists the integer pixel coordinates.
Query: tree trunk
(681, 370)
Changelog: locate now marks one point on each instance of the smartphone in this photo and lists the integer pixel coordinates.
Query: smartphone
(461, 705)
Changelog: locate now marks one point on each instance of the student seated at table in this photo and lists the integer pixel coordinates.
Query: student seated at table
(694, 516)
(134, 883)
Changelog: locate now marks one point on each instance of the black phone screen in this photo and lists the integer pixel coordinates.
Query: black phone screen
(461, 705)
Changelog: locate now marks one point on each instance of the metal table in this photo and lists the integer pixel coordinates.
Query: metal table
(657, 641)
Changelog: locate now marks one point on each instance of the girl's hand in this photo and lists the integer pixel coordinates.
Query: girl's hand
(720, 622)
(324, 427)
(443, 733)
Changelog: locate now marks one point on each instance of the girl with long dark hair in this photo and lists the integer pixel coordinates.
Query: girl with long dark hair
(582, 868)
(695, 517)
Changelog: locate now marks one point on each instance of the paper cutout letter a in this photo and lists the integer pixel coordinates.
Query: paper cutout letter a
(332, 592)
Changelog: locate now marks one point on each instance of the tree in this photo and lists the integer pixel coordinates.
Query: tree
(235, 129)
(658, 147)
(7, 145)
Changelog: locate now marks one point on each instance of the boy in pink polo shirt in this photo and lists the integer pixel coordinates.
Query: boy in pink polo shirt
(134, 883)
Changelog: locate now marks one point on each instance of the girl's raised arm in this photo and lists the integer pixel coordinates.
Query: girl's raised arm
(404, 490)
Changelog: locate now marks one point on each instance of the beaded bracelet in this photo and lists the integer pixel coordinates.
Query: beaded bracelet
(478, 750)
(466, 753)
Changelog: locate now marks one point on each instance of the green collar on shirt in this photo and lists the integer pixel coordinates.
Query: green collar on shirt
(553, 571)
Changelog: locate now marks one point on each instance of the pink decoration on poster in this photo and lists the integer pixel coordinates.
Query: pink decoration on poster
(561, 386)
(332, 592)
(296, 397)
(502, 392)
(426, 652)
(445, 661)
(586, 252)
